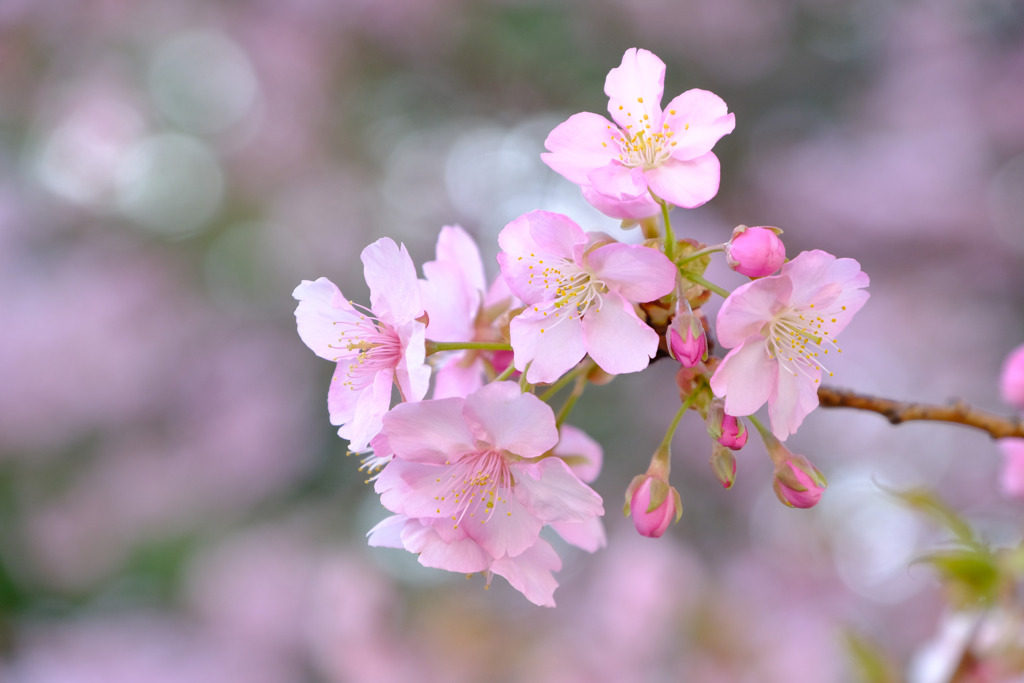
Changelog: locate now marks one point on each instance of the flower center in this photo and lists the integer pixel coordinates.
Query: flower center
(369, 345)
(479, 484)
(798, 339)
(647, 148)
(575, 289)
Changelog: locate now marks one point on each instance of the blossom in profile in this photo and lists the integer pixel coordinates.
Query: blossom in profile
(647, 149)
(482, 466)
(579, 289)
(375, 348)
(780, 329)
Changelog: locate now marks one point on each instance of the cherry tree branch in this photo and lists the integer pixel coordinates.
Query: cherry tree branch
(898, 412)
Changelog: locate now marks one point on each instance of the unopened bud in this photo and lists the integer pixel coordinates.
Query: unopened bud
(797, 482)
(723, 464)
(685, 338)
(1012, 378)
(725, 429)
(653, 504)
(755, 252)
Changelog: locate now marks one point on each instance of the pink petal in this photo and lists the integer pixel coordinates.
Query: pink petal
(619, 182)
(750, 307)
(388, 533)
(616, 338)
(635, 88)
(341, 398)
(456, 247)
(510, 420)
(636, 272)
(746, 377)
(550, 348)
(460, 554)
(551, 491)
(582, 454)
(634, 208)
(510, 530)
(587, 535)
(686, 183)
(795, 396)
(455, 379)
(429, 431)
(530, 573)
(418, 490)
(391, 275)
(412, 373)
(321, 304)
(450, 306)
(829, 283)
(700, 119)
(579, 145)
(372, 404)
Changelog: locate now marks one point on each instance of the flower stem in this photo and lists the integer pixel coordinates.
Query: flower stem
(435, 346)
(582, 368)
(898, 412)
(670, 238)
(506, 373)
(701, 252)
(699, 279)
(577, 391)
(675, 421)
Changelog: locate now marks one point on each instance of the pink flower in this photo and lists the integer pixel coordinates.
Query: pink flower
(1011, 379)
(1011, 478)
(453, 292)
(755, 252)
(653, 504)
(579, 289)
(478, 465)
(374, 348)
(779, 329)
(667, 153)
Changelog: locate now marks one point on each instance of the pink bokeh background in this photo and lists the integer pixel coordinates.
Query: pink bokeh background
(174, 505)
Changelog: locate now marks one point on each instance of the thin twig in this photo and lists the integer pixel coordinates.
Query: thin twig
(897, 412)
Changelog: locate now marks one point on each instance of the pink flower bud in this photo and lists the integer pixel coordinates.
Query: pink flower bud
(755, 252)
(798, 483)
(686, 340)
(725, 429)
(723, 464)
(1012, 378)
(653, 504)
(1011, 478)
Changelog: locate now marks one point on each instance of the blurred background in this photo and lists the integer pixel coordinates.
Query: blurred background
(174, 504)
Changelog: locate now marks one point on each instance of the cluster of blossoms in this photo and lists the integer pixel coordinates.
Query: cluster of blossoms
(474, 473)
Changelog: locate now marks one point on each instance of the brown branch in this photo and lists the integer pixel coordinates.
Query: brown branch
(897, 412)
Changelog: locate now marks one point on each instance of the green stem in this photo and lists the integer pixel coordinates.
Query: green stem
(670, 238)
(583, 369)
(506, 373)
(435, 346)
(699, 279)
(766, 434)
(675, 421)
(702, 252)
(577, 391)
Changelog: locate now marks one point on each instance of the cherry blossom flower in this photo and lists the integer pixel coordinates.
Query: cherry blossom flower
(579, 289)
(780, 328)
(374, 348)
(755, 252)
(478, 464)
(458, 310)
(647, 150)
